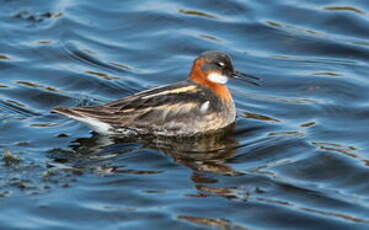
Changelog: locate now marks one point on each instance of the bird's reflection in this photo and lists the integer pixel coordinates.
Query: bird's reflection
(206, 153)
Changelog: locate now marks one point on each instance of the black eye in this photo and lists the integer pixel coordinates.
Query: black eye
(220, 64)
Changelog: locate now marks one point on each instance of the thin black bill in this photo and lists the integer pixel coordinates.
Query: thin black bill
(247, 78)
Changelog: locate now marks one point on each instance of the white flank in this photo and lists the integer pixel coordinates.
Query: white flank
(94, 124)
(205, 106)
(218, 78)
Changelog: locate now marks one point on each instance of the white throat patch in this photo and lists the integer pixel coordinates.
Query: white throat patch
(218, 78)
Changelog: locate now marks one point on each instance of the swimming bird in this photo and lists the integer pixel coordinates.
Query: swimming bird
(199, 105)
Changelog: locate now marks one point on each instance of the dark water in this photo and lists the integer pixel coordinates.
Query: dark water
(297, 158)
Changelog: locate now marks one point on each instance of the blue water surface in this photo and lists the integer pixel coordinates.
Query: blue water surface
(297, 157)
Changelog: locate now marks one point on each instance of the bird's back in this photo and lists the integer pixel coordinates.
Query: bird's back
(183, 108)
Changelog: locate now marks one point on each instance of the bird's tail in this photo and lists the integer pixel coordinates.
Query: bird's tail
(78, 114)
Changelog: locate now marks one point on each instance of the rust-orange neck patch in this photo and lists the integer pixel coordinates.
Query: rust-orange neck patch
(200, 77)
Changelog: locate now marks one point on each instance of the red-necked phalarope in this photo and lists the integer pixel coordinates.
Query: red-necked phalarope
(201, 104)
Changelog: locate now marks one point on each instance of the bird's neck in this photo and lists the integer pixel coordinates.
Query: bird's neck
(199, 77)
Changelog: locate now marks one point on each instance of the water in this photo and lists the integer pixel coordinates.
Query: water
(297, 157)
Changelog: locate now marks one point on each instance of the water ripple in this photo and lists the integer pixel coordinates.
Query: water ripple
(297, 157)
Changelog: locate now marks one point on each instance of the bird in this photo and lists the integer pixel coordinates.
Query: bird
(199, 105)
